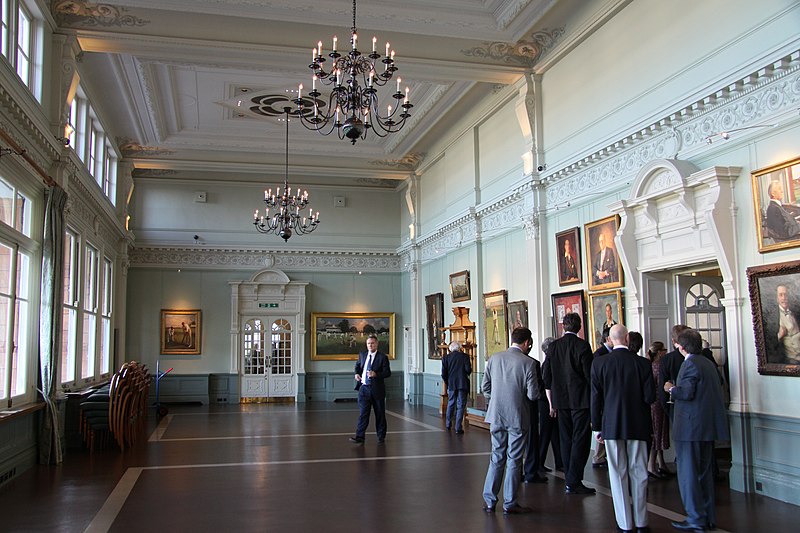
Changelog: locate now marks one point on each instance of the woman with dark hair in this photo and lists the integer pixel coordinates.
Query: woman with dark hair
(656, 466)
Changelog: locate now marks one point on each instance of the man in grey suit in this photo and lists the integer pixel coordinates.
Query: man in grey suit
(622, 391)
(699, 420)
(456, 369)
(510, 387)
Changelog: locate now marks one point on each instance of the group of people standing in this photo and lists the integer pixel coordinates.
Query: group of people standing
(614, 393)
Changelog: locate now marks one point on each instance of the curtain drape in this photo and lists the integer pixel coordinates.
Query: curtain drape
(50, 451)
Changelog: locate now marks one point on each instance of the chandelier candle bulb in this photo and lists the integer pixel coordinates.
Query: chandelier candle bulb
(314, 82)
(387, 49)
(334, 43)
(398, 84)
(406, 100)
(319, 48)
(374, 42)
(300, 91)
(355, 41)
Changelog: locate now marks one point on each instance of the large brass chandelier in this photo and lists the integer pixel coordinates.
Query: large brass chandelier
(351, 109)
(286, 219)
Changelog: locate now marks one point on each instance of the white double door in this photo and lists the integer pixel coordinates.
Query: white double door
(267, 358)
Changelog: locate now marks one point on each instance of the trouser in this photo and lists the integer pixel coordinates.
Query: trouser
(532, 464)
(368, 401)
(575, 435)
(627, 474)
(456, 401)
(508, 446)
(548, 434)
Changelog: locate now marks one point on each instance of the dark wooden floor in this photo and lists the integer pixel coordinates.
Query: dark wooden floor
(287, 468)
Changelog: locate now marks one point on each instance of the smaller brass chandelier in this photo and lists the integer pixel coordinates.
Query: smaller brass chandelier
(286, 219)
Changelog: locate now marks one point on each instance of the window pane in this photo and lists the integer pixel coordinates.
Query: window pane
(24, 45)
(22, 221)
(4, 29)
(89, 345)
(68, 341)
(105, 345)
(23, 273)
(90, 280)
(21, 354)
(4, 301)
(6, 203)
(5, 270)
(69, 269)
(107, 285)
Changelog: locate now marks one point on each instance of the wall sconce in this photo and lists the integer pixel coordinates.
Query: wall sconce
(63, 140)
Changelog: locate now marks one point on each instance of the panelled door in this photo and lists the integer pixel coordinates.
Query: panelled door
(267, 370)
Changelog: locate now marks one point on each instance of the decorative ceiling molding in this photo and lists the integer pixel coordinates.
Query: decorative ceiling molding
(409, 162)
(83, 13)
(237, 259)
(525, 52)
(130, 148)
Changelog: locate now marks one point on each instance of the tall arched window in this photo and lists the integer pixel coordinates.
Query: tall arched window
(704, 312)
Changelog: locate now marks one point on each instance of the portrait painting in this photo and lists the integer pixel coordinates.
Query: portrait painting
(434, 311)
(341, 336)
(495, 325)
(775, 302)
(568, 251)
(568, 302)
(517, 315)
(603, 267)
(459, 286)
(180, 331)
(605, 310)
(776, 203)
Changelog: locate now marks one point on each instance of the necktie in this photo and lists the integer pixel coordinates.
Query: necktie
(368, 368)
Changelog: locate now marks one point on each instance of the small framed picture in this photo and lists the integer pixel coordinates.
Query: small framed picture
(459, 286)
(776, 199)
(605, 310)
(568, 302)
(495, 320)
(602, 260)
(568, 251)
(180, 331)
(517, 315)
(434, 308)
(775, 301)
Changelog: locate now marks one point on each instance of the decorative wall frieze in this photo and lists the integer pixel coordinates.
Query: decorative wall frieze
(746, 105)
(233, 259)
(510, 12)
(525, 52)
(83, 13)
(131, 148)
(409, 162)
(29, 134)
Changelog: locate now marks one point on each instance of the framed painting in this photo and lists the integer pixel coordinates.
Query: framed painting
(434, 310)
(568, 251)
(517, 315)
(568, 302)
(776, 191)
(180, 331)
(340, 336)
(459, 286)
(775, 301)
(602, 260)
(605, 310)
(495, 322)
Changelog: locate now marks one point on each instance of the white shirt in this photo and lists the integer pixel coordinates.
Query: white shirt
(367, 365)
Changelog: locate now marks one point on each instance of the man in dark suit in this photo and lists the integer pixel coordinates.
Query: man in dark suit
(599, 458)
(567, 378)
(781, 218)
(670, 366)
(456, 369)
(533, 467)
(700, 419)
(371, 368)
(548, 427)
(509, 385)
(604, 267)
(622, 391)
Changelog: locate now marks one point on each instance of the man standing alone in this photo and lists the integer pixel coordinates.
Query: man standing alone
(622, 391)
(510, 387)
(700, 419)
(567, 378)
(456, 369)
(372, 368)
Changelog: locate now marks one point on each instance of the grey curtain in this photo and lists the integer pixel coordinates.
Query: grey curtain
(50, 451)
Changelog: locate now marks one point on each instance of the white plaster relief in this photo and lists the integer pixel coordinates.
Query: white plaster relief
(662, 180)
(245, 259)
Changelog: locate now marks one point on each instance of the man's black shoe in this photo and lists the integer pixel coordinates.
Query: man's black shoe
(357, 440)
(645, 529)
(517, 509)
(686, 526)
(487, 509)
(536, 479)
(579, 489)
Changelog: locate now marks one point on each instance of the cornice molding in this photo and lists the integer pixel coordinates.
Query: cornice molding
(243, 259)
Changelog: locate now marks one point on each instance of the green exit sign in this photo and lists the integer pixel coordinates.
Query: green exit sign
(267, 305)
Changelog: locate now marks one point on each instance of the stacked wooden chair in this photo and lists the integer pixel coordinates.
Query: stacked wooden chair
(119, 410)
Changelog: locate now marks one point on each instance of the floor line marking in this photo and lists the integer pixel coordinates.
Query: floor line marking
(294, 435)
(105, 517)
(160, 429)
(651, 507)
(412, 421)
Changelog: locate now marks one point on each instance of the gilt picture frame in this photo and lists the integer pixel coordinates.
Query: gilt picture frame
(434, 311)
(603, 267)
(459, 286)
(495, 322)
(600, 305)
(776, 205)
(568, 302)
(341, 336)
(568, 252)
(181, 331)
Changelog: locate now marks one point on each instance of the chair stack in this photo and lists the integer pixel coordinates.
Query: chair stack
(127, 415)
(118, 409)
